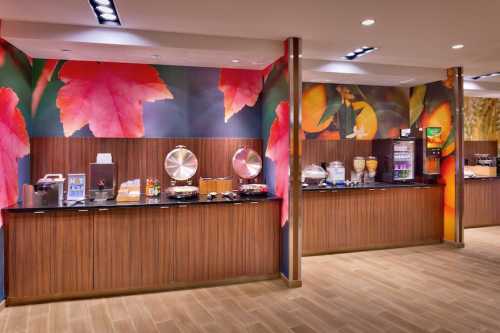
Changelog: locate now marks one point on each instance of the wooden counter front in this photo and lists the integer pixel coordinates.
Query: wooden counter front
(481, 205)
(107, 251)
(363, 219)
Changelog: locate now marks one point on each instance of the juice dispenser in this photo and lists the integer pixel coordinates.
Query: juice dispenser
(429, 152)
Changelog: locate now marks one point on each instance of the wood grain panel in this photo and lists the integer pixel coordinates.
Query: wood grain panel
(317, 151)
(135, 158)
(481, 206)
(73, 252)
(479, 147)
(369, 219)
(30, 241)
(125, 249)
(120, 250)
(215, 243)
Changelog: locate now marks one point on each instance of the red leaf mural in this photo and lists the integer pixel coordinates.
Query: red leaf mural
(41, 84)
(14, 144)
(278, 150)
(241, 87)
(108, 97)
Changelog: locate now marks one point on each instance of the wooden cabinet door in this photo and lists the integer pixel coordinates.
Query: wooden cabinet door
(30, 239)
(191, 244)
(125, 249)
(257, 231)
(73, 252)
(164, 218)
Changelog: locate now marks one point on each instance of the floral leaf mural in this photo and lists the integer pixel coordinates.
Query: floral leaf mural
(241, 87)
(14, 144)
(417, 103)
(108, 97)
(2, 55)
(278, 151)
(41, 83)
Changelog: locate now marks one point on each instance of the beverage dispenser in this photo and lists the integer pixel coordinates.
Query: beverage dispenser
(429, 152)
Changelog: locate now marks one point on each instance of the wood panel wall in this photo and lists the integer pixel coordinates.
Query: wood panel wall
(352, 220)
(135, 158)
(481, 207)
(479, 147)
(317, 151)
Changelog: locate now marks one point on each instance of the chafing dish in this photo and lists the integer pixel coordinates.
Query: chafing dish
(181, 165)
(247, 164)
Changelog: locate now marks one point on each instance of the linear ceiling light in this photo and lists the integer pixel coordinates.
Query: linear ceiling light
(105, 12)
(486, 75)
(360, 52)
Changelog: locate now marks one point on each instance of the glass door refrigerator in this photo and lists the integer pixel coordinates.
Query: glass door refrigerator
(396, 158)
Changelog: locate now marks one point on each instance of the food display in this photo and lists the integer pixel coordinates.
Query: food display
(313, 175)
(358, 165)
(153, 188)
(247, 164)
(336, 173)
(129, 191)
(181, 165)
(371, 169)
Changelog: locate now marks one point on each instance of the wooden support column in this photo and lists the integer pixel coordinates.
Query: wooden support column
(459, 155)
(295, 188)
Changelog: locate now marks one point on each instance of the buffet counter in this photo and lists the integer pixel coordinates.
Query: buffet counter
(481, 206)
(371, 216)
(109, 248)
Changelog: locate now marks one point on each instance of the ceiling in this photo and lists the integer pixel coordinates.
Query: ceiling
(415, 34)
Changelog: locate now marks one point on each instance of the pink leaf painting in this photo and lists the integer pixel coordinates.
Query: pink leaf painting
(278, 150)
(108, 97)
(241, 87)
(41, 84)
(14, 144)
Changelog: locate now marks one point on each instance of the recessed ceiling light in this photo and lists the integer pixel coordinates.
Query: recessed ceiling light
(368, 22)
(235, 61)
(458, 46)
(105, 10)
(109, 17)
(155, 56)
(103, 2)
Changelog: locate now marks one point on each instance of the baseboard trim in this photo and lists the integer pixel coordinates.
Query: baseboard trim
(372, 248)
(291, 283)
(2, 305)
(13, 301)
(458, 245)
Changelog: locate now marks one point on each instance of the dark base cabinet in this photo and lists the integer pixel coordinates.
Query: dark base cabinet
(359, 219)
(82, 253)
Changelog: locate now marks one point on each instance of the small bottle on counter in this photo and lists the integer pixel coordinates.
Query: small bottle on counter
(153, 187)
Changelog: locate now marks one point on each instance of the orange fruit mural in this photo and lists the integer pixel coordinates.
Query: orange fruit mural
(441, 116)
(314, 103)
(366, 121)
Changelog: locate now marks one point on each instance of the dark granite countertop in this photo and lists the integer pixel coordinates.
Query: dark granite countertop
(143, 202)
(372, 186)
